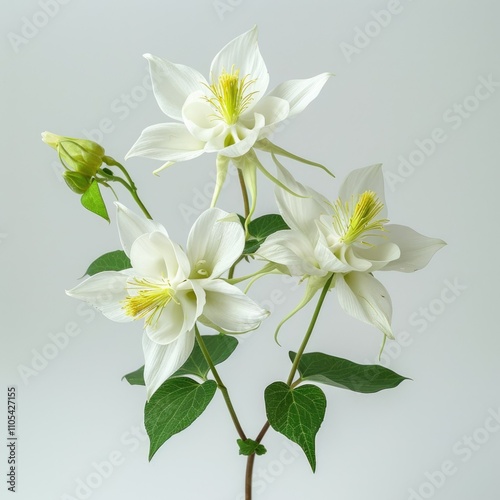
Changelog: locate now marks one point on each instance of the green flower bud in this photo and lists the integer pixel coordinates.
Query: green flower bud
(77, 182)
(77, 155)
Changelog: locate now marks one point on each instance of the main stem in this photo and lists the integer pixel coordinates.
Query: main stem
(220, 384)
(293, 371)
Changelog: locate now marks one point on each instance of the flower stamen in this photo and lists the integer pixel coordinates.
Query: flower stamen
(230, 95)
(352, 224)
(150, 300)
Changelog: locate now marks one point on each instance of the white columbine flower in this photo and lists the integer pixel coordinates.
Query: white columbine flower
(229, 114)
(171, 289)
(350, 238)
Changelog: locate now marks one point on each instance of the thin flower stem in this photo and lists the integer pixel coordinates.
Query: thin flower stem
(293, 371)
(230, 274)
(308, 334)
(244, 193)
(220, 384)
(130, 186)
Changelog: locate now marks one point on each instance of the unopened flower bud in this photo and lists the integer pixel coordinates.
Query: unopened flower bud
(77, 182)
(77, 155)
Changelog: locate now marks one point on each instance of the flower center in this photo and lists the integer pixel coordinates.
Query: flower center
(353, 223)
(150, 300)
(200, 270)
(230, 95)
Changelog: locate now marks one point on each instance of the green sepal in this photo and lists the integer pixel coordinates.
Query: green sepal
(339, 372)
(92, 200)
(249, 447)
(111, 261)
(297, 414)
(173, 407)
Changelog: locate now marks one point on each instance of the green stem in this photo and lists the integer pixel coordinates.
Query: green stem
(308, 334)
(130, 186)
(220, 384)
(230, 274)
(293, 371)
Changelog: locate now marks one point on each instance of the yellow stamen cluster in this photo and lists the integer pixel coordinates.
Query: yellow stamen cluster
(149, 302)
(353, 223)
(230, 95)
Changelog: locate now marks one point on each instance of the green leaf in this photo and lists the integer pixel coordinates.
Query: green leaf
(220, 348)
(297, 414)
(260, 228)
(249, 447)
(330, 370)
(92, 200)
(135, 378)
(111, 261)
(174, 407)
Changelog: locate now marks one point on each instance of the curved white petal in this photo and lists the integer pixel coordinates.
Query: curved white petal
(243, 54)
(167, 142)
(155, 256)
(169, 325)
(131, 226)
(299, 213)
(416, 249)
(161, 361)
(274, 110)
(172, 83)
(365, 179)
(201, 119)
(106, 291)
(292, 249)
(230, 309)
(365, 298)
(214, 244)
(379, 255)
(244, 138)
(299, 93)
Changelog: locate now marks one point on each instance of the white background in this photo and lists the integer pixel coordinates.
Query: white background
(83, 65)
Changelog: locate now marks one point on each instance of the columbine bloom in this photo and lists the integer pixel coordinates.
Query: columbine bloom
(229, 114)
(350, 238)
(171, 289)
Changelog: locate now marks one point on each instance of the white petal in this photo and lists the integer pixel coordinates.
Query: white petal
(274, 110)
(169, 325)
(131, 226)
(365, 298)
(154, 255)
(167, 142)
(292, 249)
(200, 118)
(365, 179)
(243, 54)
(172, 83)
(244, 138)
(106, 291)
(299, 213)
(213, 243)
(230, 309)
(299, 93)
(378, 255)
(161, 361)
(416, 249)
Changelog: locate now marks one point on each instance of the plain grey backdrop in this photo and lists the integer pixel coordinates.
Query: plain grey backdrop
(417, 87)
